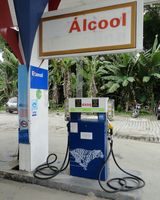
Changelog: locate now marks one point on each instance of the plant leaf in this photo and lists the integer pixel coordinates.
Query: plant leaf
(113, 88)
(146, 79)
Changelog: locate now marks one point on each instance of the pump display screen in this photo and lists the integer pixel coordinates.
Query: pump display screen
(78, 103)
(95, 102)
(88, 105)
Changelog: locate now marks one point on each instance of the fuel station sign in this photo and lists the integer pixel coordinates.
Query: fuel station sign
(106, 27)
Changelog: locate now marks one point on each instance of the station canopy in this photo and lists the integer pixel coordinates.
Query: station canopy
(62, 4)
(9, 15)
(73, 3)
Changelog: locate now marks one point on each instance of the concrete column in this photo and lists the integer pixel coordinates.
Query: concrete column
(35, 153)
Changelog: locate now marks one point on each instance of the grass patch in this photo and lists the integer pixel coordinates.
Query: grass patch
(122, 113)
(56, 109)
(2, 108)
(142, 113)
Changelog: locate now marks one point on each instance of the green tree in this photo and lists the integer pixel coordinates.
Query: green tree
(3, 43)
(149, 71)
(90, 74)
(132, 77)
(67, 64)
(151, 24)
(118, 76)
(8, 76)
(73, 84)
(60, 76)
(55, 80)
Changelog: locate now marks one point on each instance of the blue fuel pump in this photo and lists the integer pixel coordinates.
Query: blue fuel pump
(88, 138)
(87, 148)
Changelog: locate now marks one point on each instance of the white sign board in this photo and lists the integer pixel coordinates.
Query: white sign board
(99, 28)
(88, 105)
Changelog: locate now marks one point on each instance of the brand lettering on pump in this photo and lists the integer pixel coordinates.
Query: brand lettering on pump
(86, 105)
(92, 25)
(37, 74)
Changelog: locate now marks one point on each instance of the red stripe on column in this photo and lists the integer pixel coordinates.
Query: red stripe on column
(53, 4)
(5, 16)
(10, 35)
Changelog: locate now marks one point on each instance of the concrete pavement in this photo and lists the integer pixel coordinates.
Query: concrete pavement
(132, 155)
(142, 128)
(11, 190)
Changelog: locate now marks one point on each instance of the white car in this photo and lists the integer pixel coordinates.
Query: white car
(11, 105)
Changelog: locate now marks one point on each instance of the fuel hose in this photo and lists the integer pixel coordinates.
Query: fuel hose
(127, 183)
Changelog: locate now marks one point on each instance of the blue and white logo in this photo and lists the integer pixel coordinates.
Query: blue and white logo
(83, 157)
(39, 78)
(37, 74)
(34, 107)
(34, 104)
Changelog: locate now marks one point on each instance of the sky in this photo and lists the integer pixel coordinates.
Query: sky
(1, 58)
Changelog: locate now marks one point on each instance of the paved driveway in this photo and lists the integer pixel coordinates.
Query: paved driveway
(143, 128)
(130, 154)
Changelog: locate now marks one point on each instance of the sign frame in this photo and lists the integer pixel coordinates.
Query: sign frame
(136, 29)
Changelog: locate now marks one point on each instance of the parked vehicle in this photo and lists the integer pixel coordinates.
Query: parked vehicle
(136, 110)
(12, 105)
(158, 114)
(158, 111)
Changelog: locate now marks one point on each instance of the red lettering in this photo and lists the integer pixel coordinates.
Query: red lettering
(115, 22)
(123, 19)
(75, 26)
(103, 24)
(84, 24)
(92, 25)
(86, 104)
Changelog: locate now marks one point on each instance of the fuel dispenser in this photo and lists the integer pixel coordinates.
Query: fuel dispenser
(88, 137)
(87, 148)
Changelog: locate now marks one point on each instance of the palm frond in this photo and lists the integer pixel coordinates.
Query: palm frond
(113, 88)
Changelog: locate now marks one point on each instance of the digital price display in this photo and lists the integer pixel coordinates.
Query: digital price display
(78, 103)
(95, 102)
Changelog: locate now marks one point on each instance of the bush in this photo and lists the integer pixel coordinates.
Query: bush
(119, 108)
(54, 107)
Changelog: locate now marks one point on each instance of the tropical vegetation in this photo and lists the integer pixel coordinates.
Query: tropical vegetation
(127, 77)
(8, 76)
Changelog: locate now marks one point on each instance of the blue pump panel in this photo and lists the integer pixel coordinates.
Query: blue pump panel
(88, 146)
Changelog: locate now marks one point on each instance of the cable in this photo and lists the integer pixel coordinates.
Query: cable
(120, 184)
(49, 170)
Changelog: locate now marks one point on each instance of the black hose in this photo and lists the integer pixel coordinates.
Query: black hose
(120, 184)
(48, 170)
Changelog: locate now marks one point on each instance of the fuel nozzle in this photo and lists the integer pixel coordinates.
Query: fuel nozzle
(110, 130)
